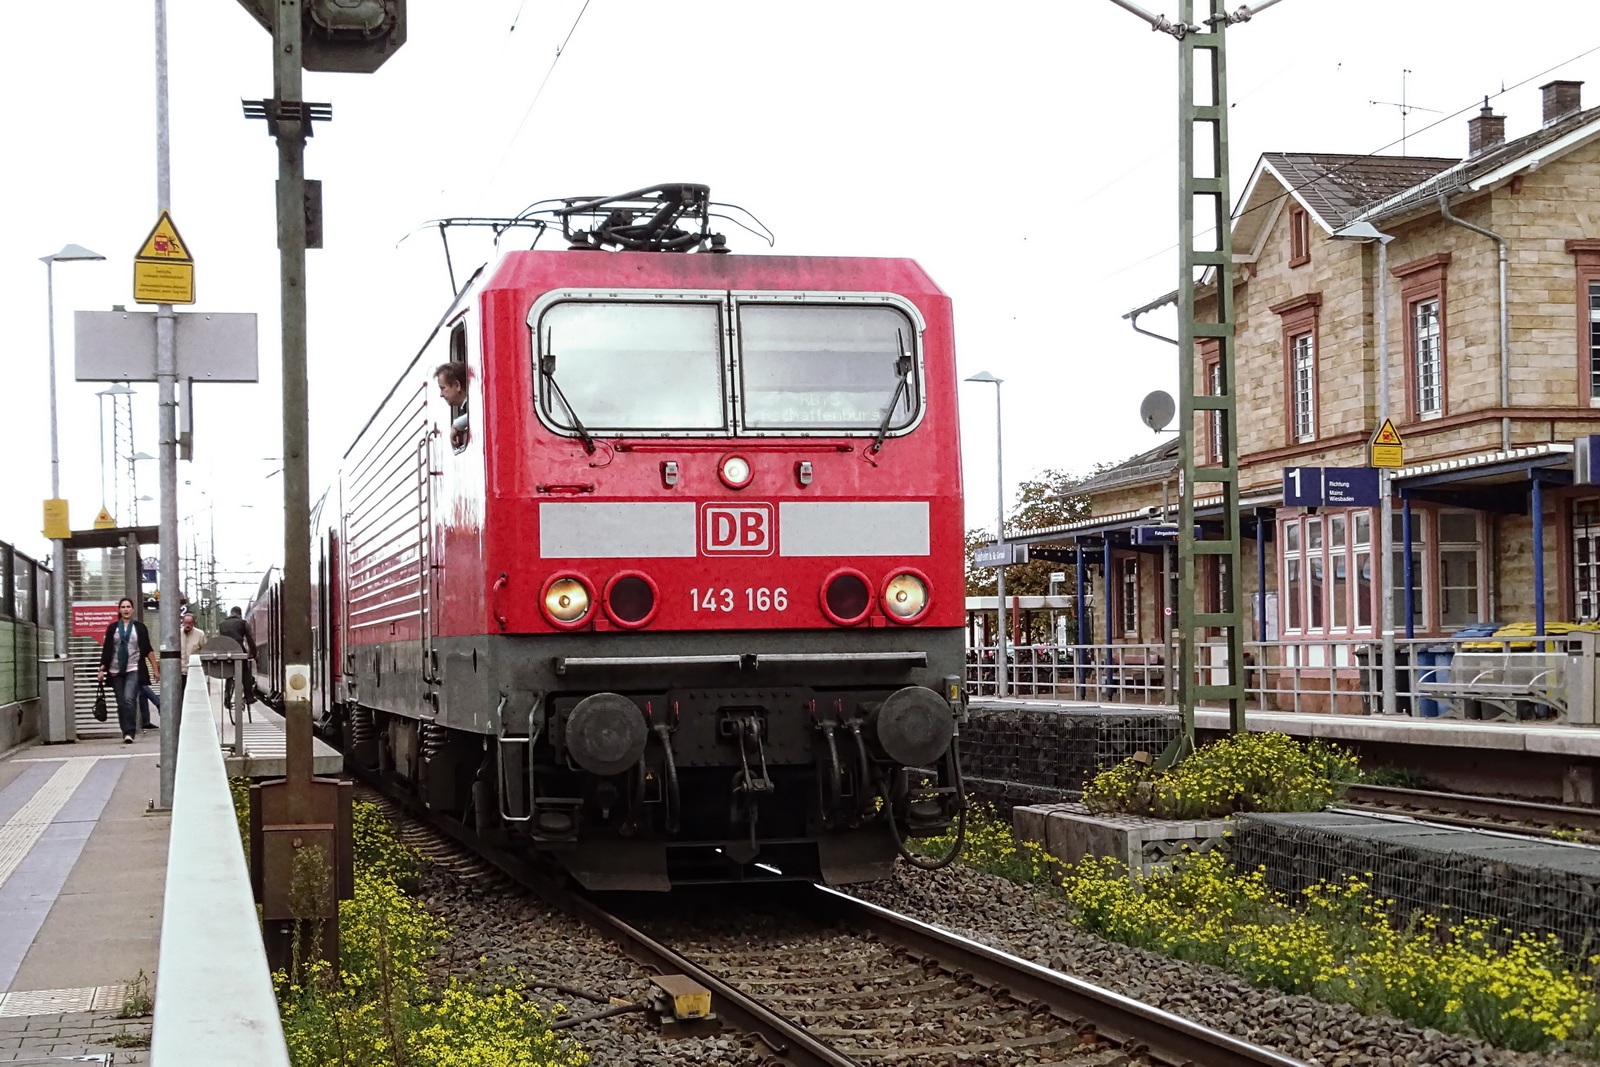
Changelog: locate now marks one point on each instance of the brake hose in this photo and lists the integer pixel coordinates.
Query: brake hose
(923, 863)
(672, 777)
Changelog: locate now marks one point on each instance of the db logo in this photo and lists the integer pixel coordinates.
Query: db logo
(745, 529)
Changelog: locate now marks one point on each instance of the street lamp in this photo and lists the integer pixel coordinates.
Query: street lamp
(58, 725)
(1365, 232)
(1001, 683)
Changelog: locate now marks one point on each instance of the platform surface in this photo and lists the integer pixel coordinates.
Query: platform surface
(82, 876)
(1556, 739)
(263, 755)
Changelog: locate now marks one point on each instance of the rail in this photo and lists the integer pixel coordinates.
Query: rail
(1160, 1036)
(214, 1000)
(1554, 678)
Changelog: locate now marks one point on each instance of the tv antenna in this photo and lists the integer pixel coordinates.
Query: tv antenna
(1405, 106)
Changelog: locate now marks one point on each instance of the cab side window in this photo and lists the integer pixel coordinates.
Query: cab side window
(460, 420)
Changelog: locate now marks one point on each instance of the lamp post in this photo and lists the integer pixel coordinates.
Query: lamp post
(1001, 681)
(1365, 231)
(58, 571)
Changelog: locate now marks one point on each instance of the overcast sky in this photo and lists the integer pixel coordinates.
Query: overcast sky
(1022, 152)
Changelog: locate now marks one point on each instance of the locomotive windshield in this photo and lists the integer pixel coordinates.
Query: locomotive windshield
(823, 368)
(668, 366)
(634, 367)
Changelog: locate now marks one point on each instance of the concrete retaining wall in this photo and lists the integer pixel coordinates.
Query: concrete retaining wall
(19, 723)
(1070, 832)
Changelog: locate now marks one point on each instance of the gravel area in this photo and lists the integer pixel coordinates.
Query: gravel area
(493, 928)
(1016, 919)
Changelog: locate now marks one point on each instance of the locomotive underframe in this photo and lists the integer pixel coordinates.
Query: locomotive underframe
(761, 760)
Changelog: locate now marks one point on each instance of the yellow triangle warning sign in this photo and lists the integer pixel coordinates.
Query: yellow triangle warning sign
(104, 521)
(1387, 434)
(164, 244)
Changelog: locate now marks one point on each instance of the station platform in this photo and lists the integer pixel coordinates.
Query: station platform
(82, 879)
(1547, 738)
(1538, 760)
(83, 870)
(263, 744)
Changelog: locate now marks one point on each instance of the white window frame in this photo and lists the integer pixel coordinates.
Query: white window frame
(1128, 594)
(1305, 558)
(1303, 384)
(1427, 338)
(1594, 343)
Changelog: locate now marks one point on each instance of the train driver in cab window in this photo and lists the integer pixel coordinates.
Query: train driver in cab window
(452, 379)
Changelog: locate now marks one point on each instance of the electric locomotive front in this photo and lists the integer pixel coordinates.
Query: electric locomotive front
(722, 539)
(672, 592)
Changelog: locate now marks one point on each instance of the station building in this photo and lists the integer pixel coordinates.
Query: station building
(1489, 415)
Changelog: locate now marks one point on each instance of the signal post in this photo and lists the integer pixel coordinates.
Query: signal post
(300, 825)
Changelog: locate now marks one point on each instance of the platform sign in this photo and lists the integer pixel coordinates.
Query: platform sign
(56, 526)
(91, 617)
(1350, 487)
(1302, 487)
(1161, 533)
(163, 269)
(999, 555)
(1386, 448)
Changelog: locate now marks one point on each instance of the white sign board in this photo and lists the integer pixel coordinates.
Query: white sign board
(120, 346)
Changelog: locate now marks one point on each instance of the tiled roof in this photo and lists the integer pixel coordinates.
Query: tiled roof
(1339, 187)
(1467, 171)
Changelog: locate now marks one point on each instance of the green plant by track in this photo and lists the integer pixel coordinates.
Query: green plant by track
(381, 1008)
(1244, 772)
(1335, 941)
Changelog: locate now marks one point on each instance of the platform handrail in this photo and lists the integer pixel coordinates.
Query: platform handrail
(213, 989)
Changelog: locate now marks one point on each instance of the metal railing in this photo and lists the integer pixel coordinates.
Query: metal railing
(214, 1000)
(1554, 678)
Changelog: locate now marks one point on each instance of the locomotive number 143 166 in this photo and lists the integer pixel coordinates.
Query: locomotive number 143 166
(762, 599)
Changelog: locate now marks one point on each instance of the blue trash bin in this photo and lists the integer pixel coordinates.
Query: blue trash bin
(1433, 665)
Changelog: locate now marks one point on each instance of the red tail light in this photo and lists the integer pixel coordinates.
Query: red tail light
(630, 599)
(846, 597)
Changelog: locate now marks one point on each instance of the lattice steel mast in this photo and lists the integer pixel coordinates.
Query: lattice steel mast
(1203, 193)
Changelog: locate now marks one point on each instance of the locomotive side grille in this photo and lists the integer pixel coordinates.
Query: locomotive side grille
(385, 522)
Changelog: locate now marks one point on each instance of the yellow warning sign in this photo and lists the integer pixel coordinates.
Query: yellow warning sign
(1387, 448)
(163, 271)
(164, 243)
(104, 521)
(161, 282)
(56, 526)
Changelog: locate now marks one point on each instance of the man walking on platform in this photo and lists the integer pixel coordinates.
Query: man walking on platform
(125, 652)
(235, 627)
(192, 640)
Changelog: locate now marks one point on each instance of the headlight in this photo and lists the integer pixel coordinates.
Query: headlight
(905, 596)
(846, 596)
(735, 472)
(566, 601)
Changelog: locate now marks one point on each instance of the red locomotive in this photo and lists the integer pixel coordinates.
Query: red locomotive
(675, 592)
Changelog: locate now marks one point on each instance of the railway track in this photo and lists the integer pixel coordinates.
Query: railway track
(839, 982)
(1479, 813)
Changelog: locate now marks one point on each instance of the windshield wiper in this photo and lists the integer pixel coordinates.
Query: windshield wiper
(902, 367)
(547, 371)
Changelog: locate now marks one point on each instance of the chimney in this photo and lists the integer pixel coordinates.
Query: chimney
(1485, 130)
(1561, 98)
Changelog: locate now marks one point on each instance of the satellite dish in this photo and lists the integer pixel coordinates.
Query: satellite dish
(1157, 409)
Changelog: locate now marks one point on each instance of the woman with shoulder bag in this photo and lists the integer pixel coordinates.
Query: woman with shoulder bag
(129, 661)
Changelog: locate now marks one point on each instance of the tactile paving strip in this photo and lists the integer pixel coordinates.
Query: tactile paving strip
(24, 829)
